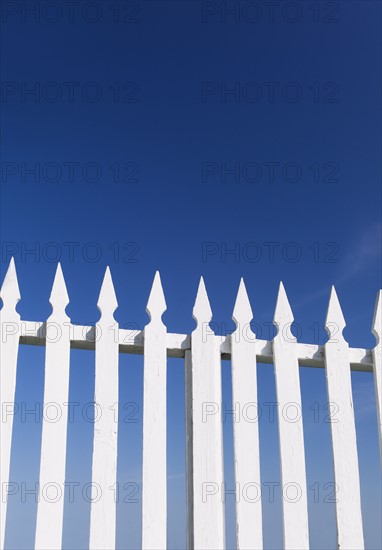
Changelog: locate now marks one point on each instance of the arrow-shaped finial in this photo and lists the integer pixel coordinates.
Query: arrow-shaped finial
(156, 304)
(202, 312)
(107, 301)
(59, 298)
(283, 317)
(242, 312)
(10, 292)
(335, 321)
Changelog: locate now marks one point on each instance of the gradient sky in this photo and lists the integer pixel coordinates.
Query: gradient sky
(182, 137)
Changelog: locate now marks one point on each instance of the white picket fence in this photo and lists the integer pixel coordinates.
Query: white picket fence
(204, 445)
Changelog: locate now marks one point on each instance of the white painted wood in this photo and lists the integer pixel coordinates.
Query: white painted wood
(104, 468)
(291, 436)
(189, 449)
(131, 341)
(50, 509)
(345, 456)
(377, 364)
(203, 352)
(207, 436)
(249, 531)
(10, 329)
(154, 483)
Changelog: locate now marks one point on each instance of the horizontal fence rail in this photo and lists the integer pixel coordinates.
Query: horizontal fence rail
(132, 341)
(203, 352)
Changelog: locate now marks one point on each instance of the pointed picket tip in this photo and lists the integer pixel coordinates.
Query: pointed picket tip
(156, 304)
(10, 292)
(377, 320)
(283, 310)
(283, 317)
(335, 320)
(107, 301)
(59, 298)
(202, 309)
(242, 311)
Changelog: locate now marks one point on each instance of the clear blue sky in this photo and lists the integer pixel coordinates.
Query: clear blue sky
(166, 134)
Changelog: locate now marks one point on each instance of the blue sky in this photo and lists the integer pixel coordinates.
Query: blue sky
(181, 137)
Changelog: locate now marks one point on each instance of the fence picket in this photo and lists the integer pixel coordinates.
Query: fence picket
(291, 437)
(207, 437)
(377, 364)
(10, 329)
(249, 534)
(53, 446)
(345, 456)
(189, 449)
(104, 468)
(154, 499)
